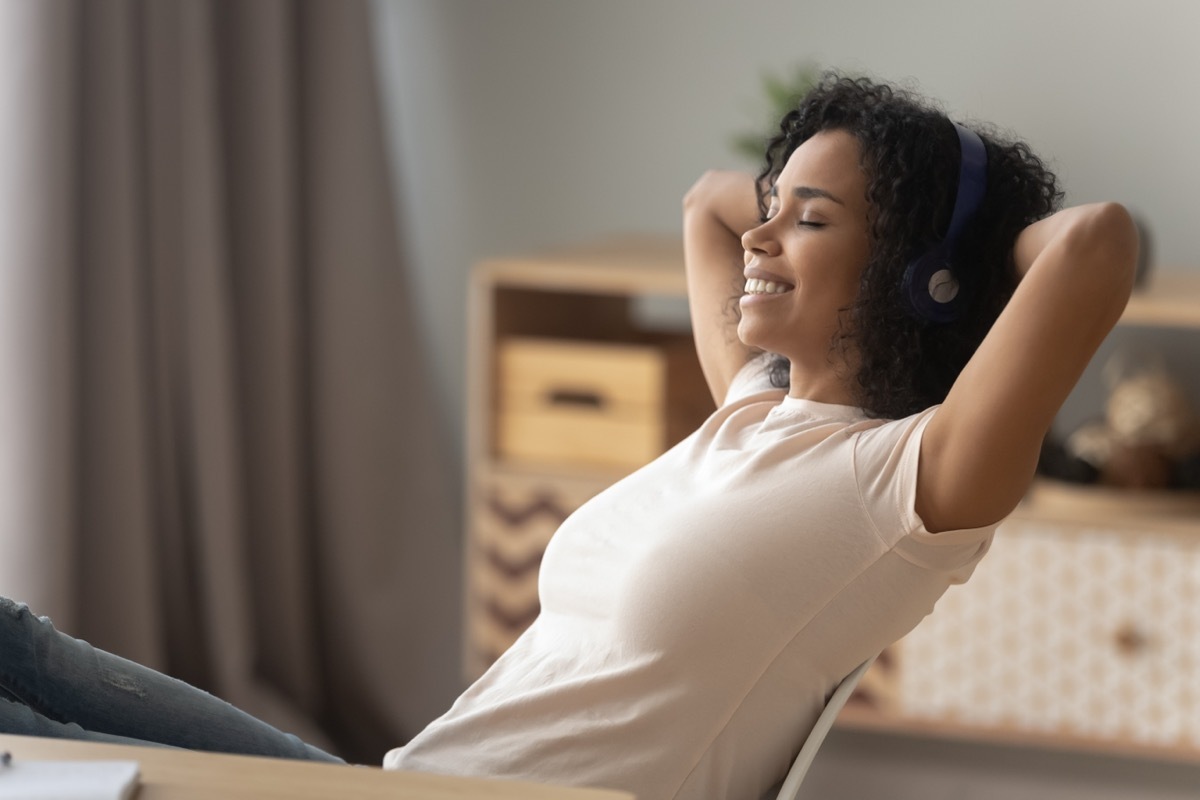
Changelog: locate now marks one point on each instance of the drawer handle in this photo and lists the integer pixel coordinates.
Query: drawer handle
(1131, 640)
(577, 398)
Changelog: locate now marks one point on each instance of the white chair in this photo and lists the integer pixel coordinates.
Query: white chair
(790, 788)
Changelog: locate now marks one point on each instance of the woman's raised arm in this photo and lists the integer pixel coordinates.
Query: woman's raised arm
(717, 210)
(980, 450)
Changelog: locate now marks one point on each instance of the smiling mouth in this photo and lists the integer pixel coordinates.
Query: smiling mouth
(756, 286)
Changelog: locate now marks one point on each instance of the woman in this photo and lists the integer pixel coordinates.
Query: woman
(881, 409)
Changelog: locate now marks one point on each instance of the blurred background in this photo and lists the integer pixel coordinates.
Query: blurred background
(235, 239)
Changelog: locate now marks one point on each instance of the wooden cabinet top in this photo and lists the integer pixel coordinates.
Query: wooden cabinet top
(1169, 299)
(640, 264)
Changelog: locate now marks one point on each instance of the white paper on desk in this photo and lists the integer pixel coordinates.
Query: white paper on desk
(68, 780)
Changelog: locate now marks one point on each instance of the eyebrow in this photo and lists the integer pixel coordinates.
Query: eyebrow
(809, 193)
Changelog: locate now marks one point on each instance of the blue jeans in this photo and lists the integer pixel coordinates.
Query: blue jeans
(56, 686)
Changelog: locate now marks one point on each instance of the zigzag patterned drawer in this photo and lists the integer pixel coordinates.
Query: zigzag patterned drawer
(514, 516)
(1091, 632)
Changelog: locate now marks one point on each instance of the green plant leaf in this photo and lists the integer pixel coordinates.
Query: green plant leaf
(782, 93)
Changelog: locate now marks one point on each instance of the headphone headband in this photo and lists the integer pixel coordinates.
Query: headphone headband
(972, 182)
(932, 281)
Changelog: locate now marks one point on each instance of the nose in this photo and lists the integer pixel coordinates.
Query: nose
(761, 240)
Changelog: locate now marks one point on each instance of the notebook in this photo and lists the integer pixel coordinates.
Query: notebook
(68, 780)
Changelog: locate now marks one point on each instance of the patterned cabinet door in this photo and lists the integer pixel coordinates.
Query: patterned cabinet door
(1088, 632)
(514, 517)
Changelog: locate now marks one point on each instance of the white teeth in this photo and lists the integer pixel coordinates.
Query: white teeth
(756, 286)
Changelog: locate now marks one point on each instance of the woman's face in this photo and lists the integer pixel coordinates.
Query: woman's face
(812, 247)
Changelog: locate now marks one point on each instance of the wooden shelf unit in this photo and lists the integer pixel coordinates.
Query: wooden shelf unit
(583, 294)
(577, 293)
(586, 294)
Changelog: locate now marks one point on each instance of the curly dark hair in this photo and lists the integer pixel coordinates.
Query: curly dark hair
(910, 155)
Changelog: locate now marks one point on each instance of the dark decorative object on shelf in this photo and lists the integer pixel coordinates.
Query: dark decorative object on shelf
(1145, 250)
(1056, 462)
(1187, 473)
(1148, 438)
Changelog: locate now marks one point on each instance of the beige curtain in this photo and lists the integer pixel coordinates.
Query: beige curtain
(215, 448)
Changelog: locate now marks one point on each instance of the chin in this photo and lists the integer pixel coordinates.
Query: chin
(748, 338)
(752, 336)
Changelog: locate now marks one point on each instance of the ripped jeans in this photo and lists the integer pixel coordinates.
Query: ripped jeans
(56, 686)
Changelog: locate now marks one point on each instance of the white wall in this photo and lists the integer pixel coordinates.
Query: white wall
(526, 123)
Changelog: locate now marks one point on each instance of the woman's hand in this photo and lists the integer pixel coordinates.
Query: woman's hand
(1106, 226)
(727, 199)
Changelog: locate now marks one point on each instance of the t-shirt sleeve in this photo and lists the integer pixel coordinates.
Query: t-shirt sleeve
(753, 378)
(885, 467)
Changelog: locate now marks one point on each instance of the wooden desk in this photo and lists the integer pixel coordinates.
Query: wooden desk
(185, 775)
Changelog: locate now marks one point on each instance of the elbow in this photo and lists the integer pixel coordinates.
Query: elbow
(1121, 232)
(1108, 242)
(699, 197)
(1115, 237)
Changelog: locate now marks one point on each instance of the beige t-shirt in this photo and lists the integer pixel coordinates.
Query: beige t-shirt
(696, 614)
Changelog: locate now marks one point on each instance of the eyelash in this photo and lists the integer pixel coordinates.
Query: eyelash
(763, 219)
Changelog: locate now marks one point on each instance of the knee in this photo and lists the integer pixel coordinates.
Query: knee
(15, 613)
(19, 612)
(12, 607)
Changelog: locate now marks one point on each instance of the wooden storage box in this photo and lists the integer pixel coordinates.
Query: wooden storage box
(583, 403)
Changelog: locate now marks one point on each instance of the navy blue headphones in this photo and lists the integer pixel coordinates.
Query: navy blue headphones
(932, 282)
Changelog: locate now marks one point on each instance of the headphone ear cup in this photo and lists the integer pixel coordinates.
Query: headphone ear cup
(932, 288)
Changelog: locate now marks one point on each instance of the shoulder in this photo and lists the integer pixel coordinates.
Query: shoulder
(887, 456)
(886, 465)
(880, 443)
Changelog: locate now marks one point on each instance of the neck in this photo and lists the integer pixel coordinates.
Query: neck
(827, 382)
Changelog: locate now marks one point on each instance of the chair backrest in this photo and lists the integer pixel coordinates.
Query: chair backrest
(790, 788)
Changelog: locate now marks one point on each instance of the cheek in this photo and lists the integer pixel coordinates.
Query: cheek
(857, 261)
